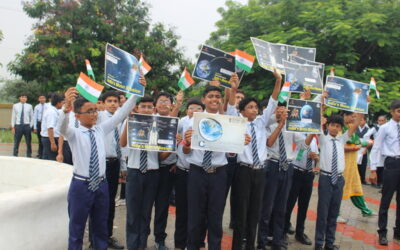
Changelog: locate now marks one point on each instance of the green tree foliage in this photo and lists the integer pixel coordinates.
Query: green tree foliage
(67, 32)
(359, 38)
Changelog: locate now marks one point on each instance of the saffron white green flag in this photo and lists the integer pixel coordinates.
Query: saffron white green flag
(89, 69)
(243, 60)
(88, 88)
(372, 85)
(185, 81)
(332, 73)
(144, 66)
(284, 94)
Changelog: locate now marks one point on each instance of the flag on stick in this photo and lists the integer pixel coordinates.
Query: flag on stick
(284, 94)
(144, 67)
(89, 69)
(88, 88)
(185, 81)
(332, 73)
(372, 85)
(243, 60)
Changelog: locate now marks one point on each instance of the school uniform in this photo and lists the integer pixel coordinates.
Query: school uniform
(330, 188)
(302, 185)
(250, 179)
(88, 193)
(362, 158)
(50, 120)
(387, 143)
(37, 125)
(141, 187)
(279, 173)
(207, 182)
(22, 121)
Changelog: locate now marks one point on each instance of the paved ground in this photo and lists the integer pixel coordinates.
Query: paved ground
(358, 233)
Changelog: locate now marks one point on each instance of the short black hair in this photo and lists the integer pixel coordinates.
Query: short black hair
(120, 93)
(39, 95)
(23, 94)
(344, 112)
(264, 103)
(56, 98)
(211, 88)
(395, 104)
(243, 103)
(145, 98)
(50, 95)
(338, 119)
(195, 101)
(78, 103)
(109, 93)
(239, 91)
(165, 94)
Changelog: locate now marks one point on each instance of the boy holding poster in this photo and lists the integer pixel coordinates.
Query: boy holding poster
(250, 178)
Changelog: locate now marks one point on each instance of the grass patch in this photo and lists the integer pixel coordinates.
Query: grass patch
(7, 137)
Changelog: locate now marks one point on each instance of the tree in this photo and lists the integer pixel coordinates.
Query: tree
(359, 38)
(67, 32)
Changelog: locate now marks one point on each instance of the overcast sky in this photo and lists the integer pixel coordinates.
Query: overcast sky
(193, 21)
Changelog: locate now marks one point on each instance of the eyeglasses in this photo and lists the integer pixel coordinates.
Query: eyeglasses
(90, 112)
(194, 109)
(146, 107)
(164, 101)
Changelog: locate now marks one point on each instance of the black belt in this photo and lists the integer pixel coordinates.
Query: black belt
(211, 170)
(256, 167)
(167, 165)
(183, 169)
(83, 178)
(329, 174)
(111, 159)
(302, 169)
(397, 157)
(284, 166)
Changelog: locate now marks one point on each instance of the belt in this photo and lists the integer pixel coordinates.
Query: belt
(397, 157)
(166, 165)
(183, 169)
(251, 166)
(302, 169)
(82, 178)
(111, 159)
(211, 170)
(283, 167)
(328, 173)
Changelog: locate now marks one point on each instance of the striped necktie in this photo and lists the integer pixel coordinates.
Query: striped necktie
(282, 153)
(207, 160)
(94, 179)
(76, 123)
(309, 160)
(117, 147)
(334, 176)
(143, 161)
(254, 151)
(21, 120)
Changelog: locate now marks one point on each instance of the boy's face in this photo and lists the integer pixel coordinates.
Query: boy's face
(193, 108)
(122, 100)
(238, 98)
(42, 99)
(23, 99)
(163, 105)
(145, 108)
(111, 104)
(279, 112)
(363, 122)
(348, 119)
(334, 129)
(395, 114)
(87, 115)
(60, 104)
(381, 120)
(250, 111)
(212, 100)
(100, 105)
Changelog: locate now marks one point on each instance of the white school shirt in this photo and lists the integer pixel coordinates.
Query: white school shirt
(386, 143)
(260, 124)
(183, 125)
(79, 140)
(289, 139)
(38, 114)
(326, 151)
(50, 120)
(16, 114)
(302, 163)
(218, 159)
(111, 143)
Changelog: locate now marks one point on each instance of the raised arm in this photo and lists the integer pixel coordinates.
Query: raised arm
(123, 139)
(70, 96)
(234, 81)
(178, 104)
(277, 88)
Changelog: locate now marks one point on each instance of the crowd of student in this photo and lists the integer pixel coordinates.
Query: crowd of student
(275, 171)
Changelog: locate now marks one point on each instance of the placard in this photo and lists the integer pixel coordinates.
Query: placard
(270, 55)
(304, 116)
(302, 77)
(303, 52)
(300, 60)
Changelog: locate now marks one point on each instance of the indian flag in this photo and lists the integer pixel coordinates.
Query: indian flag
(144, 67)
(243, 60)
(372, 85)
(88, 88)
(185, 81)
(332, 73)
(284, 94)
(89, 69)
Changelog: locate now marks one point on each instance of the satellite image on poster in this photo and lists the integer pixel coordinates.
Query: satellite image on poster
(302, 77)
(304, 116)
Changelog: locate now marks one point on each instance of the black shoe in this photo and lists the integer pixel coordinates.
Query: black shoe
(334, 247)
(303, 239)
(318, 248)
(383, 240)
(114, 244)
(291, 230)
(90, 247)
(161, 246)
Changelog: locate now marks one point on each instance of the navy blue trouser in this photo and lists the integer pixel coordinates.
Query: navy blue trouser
(38, 129)
(329, 200)
(276, 192)
(67, 153)
(47, 153)
(139, 194)
(231, 172)
(181, 201)
(206, 201)
(23, 130)
(83, 203)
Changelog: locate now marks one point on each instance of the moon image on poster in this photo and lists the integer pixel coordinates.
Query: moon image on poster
(210, 129)
(306, 112)
(203, 69)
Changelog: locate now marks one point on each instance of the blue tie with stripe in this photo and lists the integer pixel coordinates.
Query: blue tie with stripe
(207, 160)
(94, 179)
(334, 176)
(282, 153)
(254, 151)
(309, 160)
(143, 161)
(117, 147)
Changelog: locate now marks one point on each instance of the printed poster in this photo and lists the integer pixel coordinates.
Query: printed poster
(304, 116)
(152, 133)
(221, 133)
(300, 60)
(270, 55)
(122, 71)
(302, 77)
(306, 53)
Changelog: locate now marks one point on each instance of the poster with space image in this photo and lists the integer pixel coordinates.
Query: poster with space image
(122, 71)
(152, 132)
(300, 60)
(220, 133)
(215, 64)
(346, 94)
(306, 53)
(304, 116)
(270, 55)
(302, 77)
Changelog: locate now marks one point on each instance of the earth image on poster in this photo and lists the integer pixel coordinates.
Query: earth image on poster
(210, 129)
(306, 112)
(203, 69)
